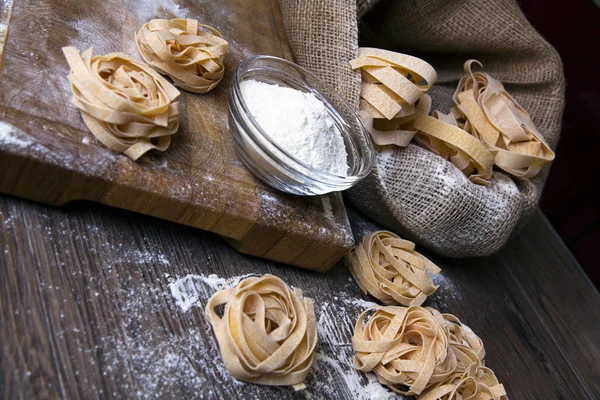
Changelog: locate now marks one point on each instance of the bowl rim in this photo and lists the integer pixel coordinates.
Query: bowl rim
(315, 174)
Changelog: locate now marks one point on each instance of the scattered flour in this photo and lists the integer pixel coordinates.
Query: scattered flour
(299, 123)
(191, 289)
(165, 364)
(333, 375)
(327, 208)
(5, 12)
(8, 138)
(145, 10)
(363, 304)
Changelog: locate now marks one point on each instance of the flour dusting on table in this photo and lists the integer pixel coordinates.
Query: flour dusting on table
(189, 290)
(333, 375)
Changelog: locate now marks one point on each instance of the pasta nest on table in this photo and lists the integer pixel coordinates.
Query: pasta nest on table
(267, 334)
(419, 351)
(190, 53)
(389, 269)
(128, 107)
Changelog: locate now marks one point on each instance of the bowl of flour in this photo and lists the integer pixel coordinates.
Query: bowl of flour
(293, 131)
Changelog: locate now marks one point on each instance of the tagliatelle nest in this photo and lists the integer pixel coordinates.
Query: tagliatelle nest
(129, 107)
(389, 269)
(419, 351)
(405, 346)
(267, 333)
(488, 112)
(192, 54)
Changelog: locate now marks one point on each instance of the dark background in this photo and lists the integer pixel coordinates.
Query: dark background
(571, 198)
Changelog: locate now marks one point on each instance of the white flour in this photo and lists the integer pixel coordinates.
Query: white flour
(146, 10)
(8, 138)
(189, 290)
(298, 122)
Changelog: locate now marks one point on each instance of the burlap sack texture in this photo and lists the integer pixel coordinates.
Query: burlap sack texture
(413, 191)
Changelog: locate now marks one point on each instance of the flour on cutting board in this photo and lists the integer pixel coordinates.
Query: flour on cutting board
(142, 10)
(6, 6)
(8, 137)
(146, 10)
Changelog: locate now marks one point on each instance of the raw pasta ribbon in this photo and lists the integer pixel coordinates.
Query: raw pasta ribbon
(267, 333)
(389, 269)
(442, 135)
(128, 107)
(192, 54)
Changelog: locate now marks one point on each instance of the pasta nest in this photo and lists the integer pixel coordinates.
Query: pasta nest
(389, 269)
(267, 333)
(128, 107)
(477, 382)
(190, 53)
(419, 351)
(406, 347)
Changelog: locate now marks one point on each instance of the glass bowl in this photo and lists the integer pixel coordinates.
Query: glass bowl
(269, 161)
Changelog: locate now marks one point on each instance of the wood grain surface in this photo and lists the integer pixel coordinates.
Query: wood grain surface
(86, 310)
(48, 155)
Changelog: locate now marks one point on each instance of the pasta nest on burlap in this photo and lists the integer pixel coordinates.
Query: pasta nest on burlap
(190, 53)
(389, 269)
(129, 107)
(267, 333)
(488, 112)
(418, 351)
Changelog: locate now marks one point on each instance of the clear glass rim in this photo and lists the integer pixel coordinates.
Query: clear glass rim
(315, 174)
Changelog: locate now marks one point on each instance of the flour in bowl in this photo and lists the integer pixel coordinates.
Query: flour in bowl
(298, 122)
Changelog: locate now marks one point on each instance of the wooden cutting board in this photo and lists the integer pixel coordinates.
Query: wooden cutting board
(48, 155)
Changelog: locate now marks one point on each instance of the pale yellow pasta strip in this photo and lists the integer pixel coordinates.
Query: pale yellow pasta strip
(481, 157)
(423, 72)
(382, 100)
(396, 82)
(180, 48)
(399, 138)
(126, 105)
(267, 334)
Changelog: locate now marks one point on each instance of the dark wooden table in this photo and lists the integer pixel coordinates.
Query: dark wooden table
(86, 310)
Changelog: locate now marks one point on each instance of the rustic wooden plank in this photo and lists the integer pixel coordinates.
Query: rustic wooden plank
(86, 310)
(555, 293)
(48, 155)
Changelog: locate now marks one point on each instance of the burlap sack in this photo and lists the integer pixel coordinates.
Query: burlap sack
(411, 190)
